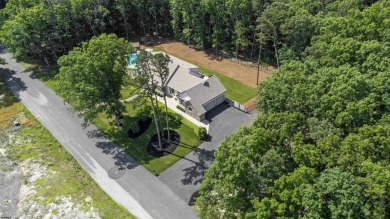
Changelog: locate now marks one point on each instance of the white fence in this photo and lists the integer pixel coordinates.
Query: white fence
(236, 105)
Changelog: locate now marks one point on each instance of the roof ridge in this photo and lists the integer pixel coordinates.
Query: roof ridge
(170, 78)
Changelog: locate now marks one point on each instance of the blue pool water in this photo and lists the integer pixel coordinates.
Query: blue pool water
(131, 60)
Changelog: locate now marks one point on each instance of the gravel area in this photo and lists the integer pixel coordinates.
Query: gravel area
(18, 188)
(10, 182)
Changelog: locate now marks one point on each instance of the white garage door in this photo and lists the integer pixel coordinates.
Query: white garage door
(210, 105)
(213, 103)
(220, 99)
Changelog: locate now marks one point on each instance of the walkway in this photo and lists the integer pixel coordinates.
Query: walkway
(172, 103)
(117, 174)
(185, 176)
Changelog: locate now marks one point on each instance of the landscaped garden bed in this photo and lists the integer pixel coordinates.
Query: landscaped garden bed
(142, 125)
(137, 147)
(167, 147)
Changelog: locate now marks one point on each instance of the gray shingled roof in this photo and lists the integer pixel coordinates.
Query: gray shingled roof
(179, 77)
(204, 92)
(183, 80)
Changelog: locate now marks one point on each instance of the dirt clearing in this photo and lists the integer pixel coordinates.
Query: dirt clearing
(227, 67)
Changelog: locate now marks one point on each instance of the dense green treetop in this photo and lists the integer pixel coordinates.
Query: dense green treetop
(91, 76)
(324, 115)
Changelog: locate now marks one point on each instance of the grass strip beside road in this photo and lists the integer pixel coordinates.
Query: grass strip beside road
(65, 177)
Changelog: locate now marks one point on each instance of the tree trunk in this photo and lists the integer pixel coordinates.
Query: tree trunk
(166, 117)
(125, 21)
(258, 66)
(157, 127)
(276, 51)
(159, 114)
(237, 53)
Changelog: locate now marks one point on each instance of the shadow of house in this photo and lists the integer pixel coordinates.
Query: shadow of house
(216, 111)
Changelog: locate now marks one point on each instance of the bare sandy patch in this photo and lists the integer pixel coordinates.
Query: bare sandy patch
(227, 67)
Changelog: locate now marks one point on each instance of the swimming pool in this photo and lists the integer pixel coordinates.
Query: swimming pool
(131, 60)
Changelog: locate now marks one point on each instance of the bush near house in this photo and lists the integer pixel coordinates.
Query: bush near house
(202, 133)
(180, 108)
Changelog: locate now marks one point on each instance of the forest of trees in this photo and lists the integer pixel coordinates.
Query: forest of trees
(320, 147)
(45, 30)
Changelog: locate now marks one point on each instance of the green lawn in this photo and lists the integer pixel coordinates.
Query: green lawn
(33, 142)
(235, 90)
(137, 147)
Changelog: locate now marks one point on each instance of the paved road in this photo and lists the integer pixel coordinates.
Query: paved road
(185, 176)
(118, 174)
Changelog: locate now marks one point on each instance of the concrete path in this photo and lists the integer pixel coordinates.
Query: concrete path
(129, 99)
(118, 175)
(185, 176)
(172, 105)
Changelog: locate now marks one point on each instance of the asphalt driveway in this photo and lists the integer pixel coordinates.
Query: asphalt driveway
(185, 176)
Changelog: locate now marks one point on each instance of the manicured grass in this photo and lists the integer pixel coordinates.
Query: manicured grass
(67, 177)
(235, 90)
(137, 147)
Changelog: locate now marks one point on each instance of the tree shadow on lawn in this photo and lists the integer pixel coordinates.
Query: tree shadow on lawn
(137, 147)
(194, 174)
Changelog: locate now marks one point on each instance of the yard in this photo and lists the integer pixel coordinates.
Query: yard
(136, 147)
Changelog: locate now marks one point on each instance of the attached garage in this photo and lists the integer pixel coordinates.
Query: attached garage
(203, 97)
(214, 102)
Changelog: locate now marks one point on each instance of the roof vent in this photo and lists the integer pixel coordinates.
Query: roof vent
(206, 83)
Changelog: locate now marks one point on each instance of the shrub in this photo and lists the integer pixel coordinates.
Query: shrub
(180, 108)
(134, 127)
(202, 133)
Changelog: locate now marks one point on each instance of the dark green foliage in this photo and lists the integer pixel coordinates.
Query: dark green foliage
(324, 115)
(202, 133)
(180, 108)
(91, 76)
(44, 30)
(134, 127)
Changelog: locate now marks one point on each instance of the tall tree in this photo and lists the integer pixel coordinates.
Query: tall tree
(144, 80)
(91, 75)
(160, 68)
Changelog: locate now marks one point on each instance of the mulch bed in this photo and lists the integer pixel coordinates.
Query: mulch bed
(143, 126)
(168, 148)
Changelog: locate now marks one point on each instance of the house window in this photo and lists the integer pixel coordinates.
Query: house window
(190, 109)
